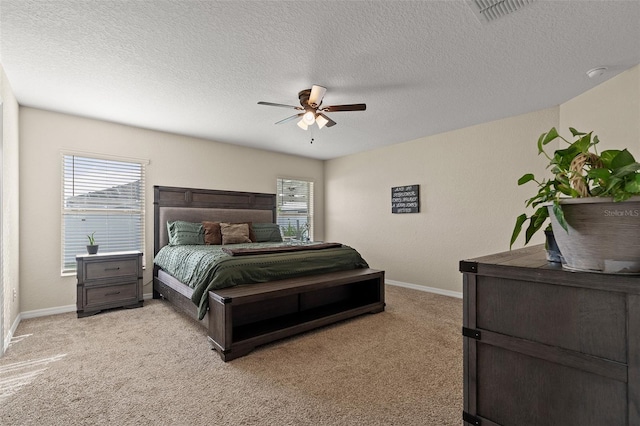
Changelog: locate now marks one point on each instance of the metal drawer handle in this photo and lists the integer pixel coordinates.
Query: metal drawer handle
(112, 269)
(112, 293)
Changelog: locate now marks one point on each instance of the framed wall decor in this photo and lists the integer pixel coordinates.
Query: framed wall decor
(405, 199)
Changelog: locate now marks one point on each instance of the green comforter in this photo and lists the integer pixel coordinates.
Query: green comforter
(207, 267)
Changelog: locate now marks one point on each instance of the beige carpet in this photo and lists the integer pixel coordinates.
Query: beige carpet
(152, 366)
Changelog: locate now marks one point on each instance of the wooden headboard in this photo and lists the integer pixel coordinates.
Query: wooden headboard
(197, 205)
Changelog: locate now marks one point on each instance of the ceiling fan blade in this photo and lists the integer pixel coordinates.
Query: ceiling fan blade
(293, 117)
(351, 107)
(317, 94)
(279, 105)
(330, 122)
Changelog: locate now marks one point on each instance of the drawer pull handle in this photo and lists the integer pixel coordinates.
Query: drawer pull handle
(112, 293)
(112, 269)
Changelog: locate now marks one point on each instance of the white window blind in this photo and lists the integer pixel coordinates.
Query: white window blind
(104, 197)
(295, 208)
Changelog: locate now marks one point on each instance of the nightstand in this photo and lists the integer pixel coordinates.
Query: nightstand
(108, 280)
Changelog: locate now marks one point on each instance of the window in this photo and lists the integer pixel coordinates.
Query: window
(104, 197)
(295, 209)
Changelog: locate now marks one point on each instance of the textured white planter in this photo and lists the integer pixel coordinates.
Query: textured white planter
(603, 236)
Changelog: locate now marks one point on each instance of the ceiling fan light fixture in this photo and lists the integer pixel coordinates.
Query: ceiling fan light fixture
(309, 118)
(309, 111)
(321, 121)
(302, 124)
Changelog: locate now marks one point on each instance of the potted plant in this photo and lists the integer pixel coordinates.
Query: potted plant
(298, 232)
(92, 248)
(591, 201)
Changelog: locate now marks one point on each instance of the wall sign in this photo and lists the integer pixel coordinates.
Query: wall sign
(405, 199)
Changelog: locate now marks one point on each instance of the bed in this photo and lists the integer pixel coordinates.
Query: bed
(241, 317)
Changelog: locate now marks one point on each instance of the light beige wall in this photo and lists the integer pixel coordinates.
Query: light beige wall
(469, 202)
(611, 110)
(468, 191)
(10, 208)
(174, 161)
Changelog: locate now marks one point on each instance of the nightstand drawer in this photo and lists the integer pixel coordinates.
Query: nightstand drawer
(96, 296)
(111, 269)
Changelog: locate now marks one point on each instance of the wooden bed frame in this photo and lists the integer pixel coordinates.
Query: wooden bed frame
(243, 317)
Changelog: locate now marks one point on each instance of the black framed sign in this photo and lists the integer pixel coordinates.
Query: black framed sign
(405, 199)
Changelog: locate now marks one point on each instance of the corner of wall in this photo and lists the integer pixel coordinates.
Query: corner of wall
(9, 201)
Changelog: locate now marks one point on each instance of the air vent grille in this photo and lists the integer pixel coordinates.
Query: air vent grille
(490, 10)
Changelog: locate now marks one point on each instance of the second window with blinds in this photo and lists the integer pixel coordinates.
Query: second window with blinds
(104, 198)
(295, 209)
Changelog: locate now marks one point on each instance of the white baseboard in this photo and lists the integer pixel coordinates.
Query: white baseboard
(58, 310)
(47, 311)
(7, 340)
(456, 294)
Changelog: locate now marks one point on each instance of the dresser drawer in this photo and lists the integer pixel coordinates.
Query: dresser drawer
(111, 269)
(585, 320)
(111, 294)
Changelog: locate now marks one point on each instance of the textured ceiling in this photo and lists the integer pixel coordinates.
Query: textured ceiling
(199, 67)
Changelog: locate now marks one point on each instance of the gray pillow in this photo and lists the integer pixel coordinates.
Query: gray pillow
(184, 233)
(267, 232)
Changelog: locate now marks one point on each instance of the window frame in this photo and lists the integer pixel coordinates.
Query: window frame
(69, 268)
(310, 216)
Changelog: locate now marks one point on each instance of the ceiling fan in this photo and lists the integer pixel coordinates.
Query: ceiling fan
(311, 110)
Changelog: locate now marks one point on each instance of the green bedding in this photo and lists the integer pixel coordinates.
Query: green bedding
(208, 267)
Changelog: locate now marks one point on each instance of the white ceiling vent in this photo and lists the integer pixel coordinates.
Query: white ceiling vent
(490, 10)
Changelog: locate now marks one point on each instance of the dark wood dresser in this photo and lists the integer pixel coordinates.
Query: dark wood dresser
(545, 346)
(108, 280)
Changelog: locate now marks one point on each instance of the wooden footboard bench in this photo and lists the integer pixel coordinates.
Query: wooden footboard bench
(244, 317)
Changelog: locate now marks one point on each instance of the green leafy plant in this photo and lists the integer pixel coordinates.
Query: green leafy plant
(92, 241)
(298, 232)
(577, 171)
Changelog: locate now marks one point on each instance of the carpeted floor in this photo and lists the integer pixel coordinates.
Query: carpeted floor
(153, 366)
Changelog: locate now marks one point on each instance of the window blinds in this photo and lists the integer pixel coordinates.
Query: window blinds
(295, 208)
(104, 197)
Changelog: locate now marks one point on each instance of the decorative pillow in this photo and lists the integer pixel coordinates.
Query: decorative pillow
(212, 233)
(266, 232)
(183, 233)
(234, 233)
(252, 236)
